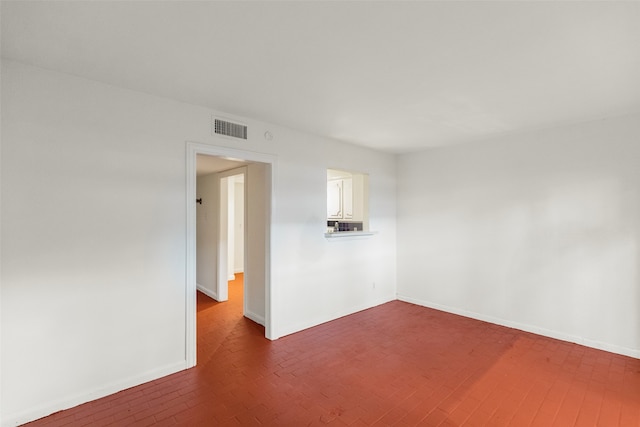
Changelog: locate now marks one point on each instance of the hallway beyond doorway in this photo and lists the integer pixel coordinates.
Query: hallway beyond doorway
(219, 320)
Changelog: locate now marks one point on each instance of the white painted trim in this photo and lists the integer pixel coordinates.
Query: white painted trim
(270, 323)
(207, 292)
(89, 395)
(0, 239)
(222, 250)
(190, 285)
(254, 317)
(348, 235)
(625, 351)
(319, 320)
(271, 331)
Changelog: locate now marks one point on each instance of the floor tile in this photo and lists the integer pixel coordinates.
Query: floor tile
(395, 364)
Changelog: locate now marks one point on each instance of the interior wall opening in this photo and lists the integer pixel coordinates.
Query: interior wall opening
(228, 234)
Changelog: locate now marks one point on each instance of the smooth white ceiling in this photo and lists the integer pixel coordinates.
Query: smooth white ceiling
(206, 165)
(394, 76)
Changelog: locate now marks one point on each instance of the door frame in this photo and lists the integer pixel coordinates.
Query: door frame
(192, 150)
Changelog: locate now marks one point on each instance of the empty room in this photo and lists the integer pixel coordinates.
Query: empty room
(346, 213)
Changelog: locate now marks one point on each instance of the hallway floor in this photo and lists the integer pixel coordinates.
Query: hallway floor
(396, 364)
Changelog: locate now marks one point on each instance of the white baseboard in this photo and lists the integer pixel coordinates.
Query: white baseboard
(255, 317)
(89, 395)
(612, 348)
(291, 329)
(207, 292)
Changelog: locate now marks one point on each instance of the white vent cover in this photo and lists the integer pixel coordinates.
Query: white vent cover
(227, 128)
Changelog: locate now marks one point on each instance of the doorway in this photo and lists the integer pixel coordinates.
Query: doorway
(220, 224)
(235, 225)
(257, 171)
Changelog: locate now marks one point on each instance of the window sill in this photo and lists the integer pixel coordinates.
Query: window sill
(342, 234)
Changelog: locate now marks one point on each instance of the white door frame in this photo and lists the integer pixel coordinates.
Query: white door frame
(193, 149)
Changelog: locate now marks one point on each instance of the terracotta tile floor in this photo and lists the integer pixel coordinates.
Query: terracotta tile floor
(396, 364)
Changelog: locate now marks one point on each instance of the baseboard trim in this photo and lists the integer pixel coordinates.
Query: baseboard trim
(599, 345)
(334, 316)
(255, 317)
(90, 395)
(207, 292)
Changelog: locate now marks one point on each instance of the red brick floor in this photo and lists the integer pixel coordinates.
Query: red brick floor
(396, 364)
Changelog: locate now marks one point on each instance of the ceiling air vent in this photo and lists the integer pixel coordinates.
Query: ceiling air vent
(226, 128)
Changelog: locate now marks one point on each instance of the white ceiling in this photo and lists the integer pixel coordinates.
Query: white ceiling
(206, 165)
(394, 76)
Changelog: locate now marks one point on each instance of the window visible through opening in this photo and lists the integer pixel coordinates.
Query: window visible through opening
(347, 201)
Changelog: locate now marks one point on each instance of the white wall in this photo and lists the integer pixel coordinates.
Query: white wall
(257, 272)
(206, 238)
(93, 236)
(539, 231)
